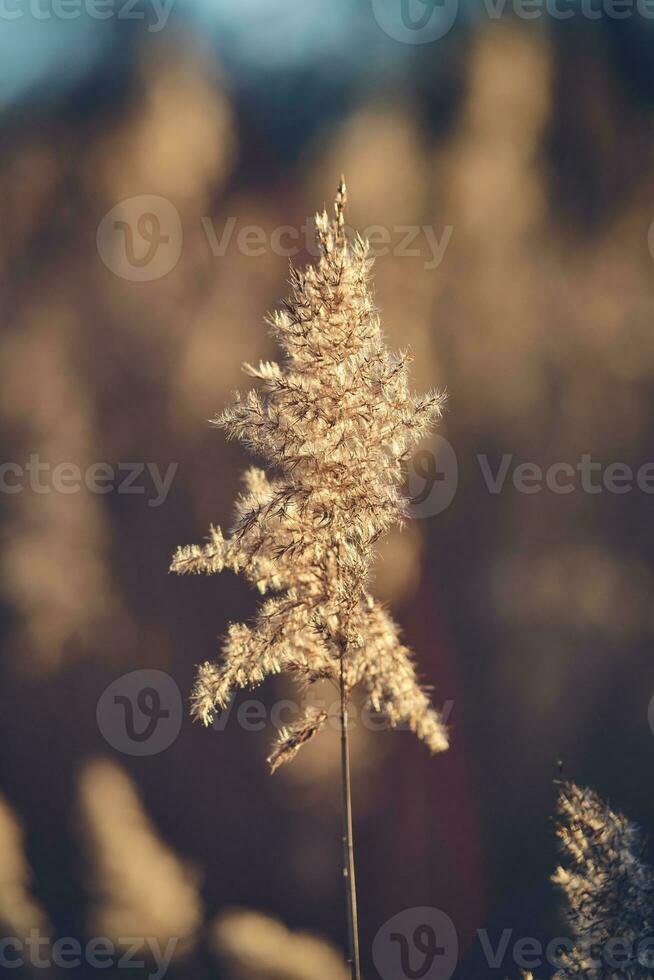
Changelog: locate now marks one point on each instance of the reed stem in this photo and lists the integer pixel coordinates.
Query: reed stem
(348, 845)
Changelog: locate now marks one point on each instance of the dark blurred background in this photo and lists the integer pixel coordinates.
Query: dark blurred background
(524, 147)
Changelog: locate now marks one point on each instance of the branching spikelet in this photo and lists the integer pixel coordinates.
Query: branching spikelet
(609, 891)
(293, 737)
(333, 424)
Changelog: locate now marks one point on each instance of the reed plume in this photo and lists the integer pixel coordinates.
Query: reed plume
(253, 946)
(609, 891)
(334, 424)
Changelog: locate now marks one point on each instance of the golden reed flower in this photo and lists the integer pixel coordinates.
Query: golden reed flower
(608, 889)
(334, 423)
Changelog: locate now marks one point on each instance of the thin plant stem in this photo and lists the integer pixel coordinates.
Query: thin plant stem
(348, 846)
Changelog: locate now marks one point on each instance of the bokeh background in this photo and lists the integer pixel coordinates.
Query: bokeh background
(531, 614)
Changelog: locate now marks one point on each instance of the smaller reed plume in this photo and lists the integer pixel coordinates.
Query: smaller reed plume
(609, 891)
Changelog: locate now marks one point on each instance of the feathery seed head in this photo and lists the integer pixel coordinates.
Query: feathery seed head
(332, 424)
(609, 891)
